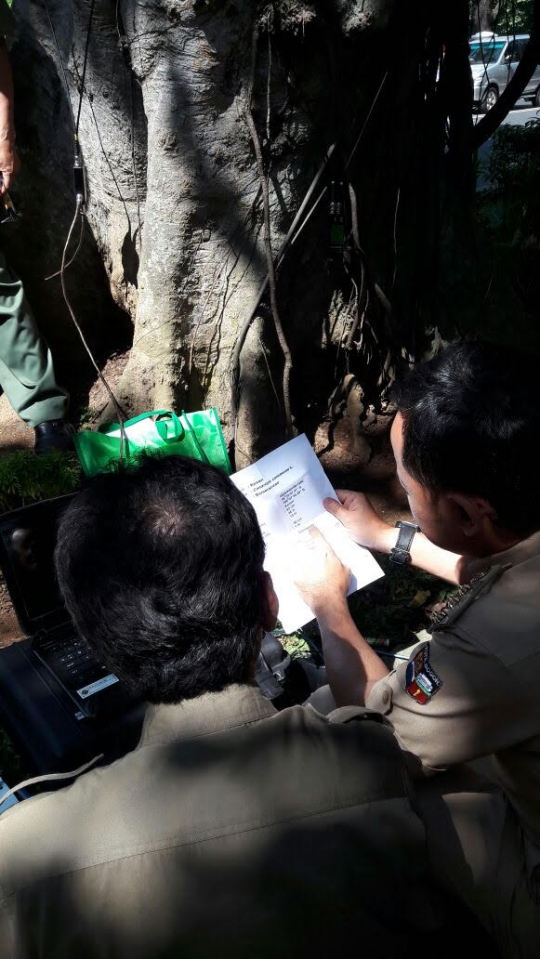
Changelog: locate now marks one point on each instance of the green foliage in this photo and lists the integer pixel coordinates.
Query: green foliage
(514, 160)
(515, 16)
(510, 211)
(295, 644)
(393, 609)
(84, 416)
(26, 478)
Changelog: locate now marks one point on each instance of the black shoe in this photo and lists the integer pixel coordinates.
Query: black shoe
(53, 435)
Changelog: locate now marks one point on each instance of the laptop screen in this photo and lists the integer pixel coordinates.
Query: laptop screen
(27, 542)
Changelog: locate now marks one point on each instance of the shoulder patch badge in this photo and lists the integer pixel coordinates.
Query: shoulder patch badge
(421, 681)
(462, 598)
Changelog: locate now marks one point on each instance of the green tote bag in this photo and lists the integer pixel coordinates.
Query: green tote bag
(197, 435)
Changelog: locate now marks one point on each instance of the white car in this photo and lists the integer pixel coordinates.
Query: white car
(493, 61)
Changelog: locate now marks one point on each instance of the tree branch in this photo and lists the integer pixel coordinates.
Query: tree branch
(511, 94)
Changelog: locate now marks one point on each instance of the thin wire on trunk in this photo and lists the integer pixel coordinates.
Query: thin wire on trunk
(117, 408)
(85, 65)
(263, 177)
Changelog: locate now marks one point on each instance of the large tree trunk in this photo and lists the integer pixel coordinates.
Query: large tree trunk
(191, 110)
(484, 15)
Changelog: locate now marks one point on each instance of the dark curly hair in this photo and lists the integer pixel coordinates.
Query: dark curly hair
(472, 425)
(161, 569)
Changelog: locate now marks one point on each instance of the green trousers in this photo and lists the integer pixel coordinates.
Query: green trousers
(26, 366)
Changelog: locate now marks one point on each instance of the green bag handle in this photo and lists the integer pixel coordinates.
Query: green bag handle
(195, 438)
(179, 429)
(181, 426)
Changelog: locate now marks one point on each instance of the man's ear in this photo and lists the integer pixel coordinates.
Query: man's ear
(270, 604)
(474, 513)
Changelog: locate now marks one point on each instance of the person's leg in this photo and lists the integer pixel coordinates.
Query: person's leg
(478, 852)
(26, 365)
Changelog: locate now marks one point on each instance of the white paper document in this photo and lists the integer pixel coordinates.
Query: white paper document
(287, 488)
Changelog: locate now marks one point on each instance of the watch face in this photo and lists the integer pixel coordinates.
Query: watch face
(401, 551)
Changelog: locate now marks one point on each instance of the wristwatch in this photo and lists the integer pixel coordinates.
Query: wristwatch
(401, 553)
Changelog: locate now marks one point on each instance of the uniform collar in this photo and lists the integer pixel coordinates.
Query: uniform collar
(524, 550)
(211, 713)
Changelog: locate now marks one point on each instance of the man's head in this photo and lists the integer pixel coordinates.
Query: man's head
(465, 440)
(161, 569)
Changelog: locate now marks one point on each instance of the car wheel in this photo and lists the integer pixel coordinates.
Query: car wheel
(537, 98)
(490, 99)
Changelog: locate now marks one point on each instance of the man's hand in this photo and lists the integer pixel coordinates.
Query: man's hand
(367, 528)
(9, 164)
(324, 579)
(360, 519)
(352, 666)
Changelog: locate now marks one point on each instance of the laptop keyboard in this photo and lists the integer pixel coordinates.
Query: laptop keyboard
(72, 662)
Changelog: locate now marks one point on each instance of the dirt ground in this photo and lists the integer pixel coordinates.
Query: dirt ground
(9, 628)
(14, 434)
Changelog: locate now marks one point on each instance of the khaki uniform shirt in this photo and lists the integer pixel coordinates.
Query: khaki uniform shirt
(232, 830)
(474, 690)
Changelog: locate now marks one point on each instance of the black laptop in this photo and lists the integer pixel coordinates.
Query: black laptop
(27, 542)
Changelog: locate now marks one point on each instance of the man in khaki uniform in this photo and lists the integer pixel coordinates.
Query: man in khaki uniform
(232, 829)
(465, 441)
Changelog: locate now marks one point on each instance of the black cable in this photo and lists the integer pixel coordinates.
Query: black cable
(78, 170)
(73, 257)
(366, 121)
(49, 777)
(133, 157)
(85, 64)
(60, 61)
(117, 408)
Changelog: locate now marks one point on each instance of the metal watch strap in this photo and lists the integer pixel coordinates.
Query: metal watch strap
(401, 553)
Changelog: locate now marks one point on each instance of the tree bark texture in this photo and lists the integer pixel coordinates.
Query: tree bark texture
(484, 15)
(194, 111)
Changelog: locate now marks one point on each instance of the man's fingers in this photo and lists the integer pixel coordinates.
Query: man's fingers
(336, 509)
(350, 499)
(320, 542)
(318, 536)
(6, 182)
